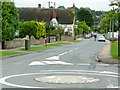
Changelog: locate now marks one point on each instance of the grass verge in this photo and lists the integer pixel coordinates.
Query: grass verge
(75, 41)
(6, 53)
(45, 47)
(114, 50)
(36, 48)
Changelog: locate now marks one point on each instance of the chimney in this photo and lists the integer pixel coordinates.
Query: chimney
(39, 5)
(73, 5)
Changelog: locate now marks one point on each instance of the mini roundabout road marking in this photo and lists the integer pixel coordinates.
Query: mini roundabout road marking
(60, 74)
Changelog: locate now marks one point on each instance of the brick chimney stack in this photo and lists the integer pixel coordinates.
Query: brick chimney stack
(39, 5)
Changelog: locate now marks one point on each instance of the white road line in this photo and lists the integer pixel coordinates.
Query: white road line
(36, 63)
(63, 53)
(4, 79)
(57, 62)
(83, 64)
(49, 63)
(53, 58)
(108, 72)
(112, 86)
(70, 50)
(102, 65)
(56, 57)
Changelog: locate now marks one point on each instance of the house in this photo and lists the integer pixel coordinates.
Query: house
(58, 17)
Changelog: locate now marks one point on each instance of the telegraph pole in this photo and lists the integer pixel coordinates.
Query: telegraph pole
(49, 23)
(119, 29)
(113, 26)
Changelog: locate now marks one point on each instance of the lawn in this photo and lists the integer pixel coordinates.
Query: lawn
(45, 47)
(114, 50)
(36, 48)
(6, 53)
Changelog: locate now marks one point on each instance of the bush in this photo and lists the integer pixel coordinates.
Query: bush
(57, 37)
(28, 28)
(37, 29)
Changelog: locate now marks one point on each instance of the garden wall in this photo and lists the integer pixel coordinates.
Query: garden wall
(67, 38)
(20, 42)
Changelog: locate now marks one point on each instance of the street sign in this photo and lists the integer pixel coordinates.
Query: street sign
(75, 26)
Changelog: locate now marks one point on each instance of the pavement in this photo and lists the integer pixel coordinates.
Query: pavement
(105, 56)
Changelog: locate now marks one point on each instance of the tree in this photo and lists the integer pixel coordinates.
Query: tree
(84, 14)
(83, 27)
(110, 20)
(61, 7)
(28, 28)
(10, 21)
(41, 31)
(34, 28)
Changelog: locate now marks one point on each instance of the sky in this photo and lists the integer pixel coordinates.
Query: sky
(98, 5)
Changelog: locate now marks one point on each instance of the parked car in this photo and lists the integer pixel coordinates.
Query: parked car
(87, 36)
(101, 38)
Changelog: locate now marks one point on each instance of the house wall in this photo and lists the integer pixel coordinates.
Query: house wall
(68, 27)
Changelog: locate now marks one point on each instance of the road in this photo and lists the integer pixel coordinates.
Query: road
(60, 67)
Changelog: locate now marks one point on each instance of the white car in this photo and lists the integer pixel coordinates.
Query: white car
(87, 36)
(101, 38)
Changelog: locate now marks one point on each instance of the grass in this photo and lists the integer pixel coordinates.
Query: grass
(114, 50)
(75, 41)
(36, 48)
(62, 43)
(6, 53)
(52, 45)
(45, 47)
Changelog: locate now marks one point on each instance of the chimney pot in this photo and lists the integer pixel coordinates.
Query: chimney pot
(39, 5)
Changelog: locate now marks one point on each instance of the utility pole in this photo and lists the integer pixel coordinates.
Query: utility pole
(49, 23)
(119, 29)
(54, 5)
(113, 26)
(110, 30)
(4, 2)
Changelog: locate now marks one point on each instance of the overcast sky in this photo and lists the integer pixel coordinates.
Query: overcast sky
(92, 4)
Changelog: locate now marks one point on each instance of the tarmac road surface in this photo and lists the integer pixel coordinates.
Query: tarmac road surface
(60, 67)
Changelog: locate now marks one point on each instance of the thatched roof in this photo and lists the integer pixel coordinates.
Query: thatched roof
(63, 16)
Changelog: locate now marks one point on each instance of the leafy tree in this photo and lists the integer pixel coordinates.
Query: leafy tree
(34, 28)
(28, 28)
(102, 31)
(58, 32)
(111, 19)
(41, 31)
(0, 21)
(51, 7)
(84, 14)
(83, 27)
(61, 7)
(10, 21)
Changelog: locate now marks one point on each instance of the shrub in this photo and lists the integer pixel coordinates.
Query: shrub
(37, 29)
